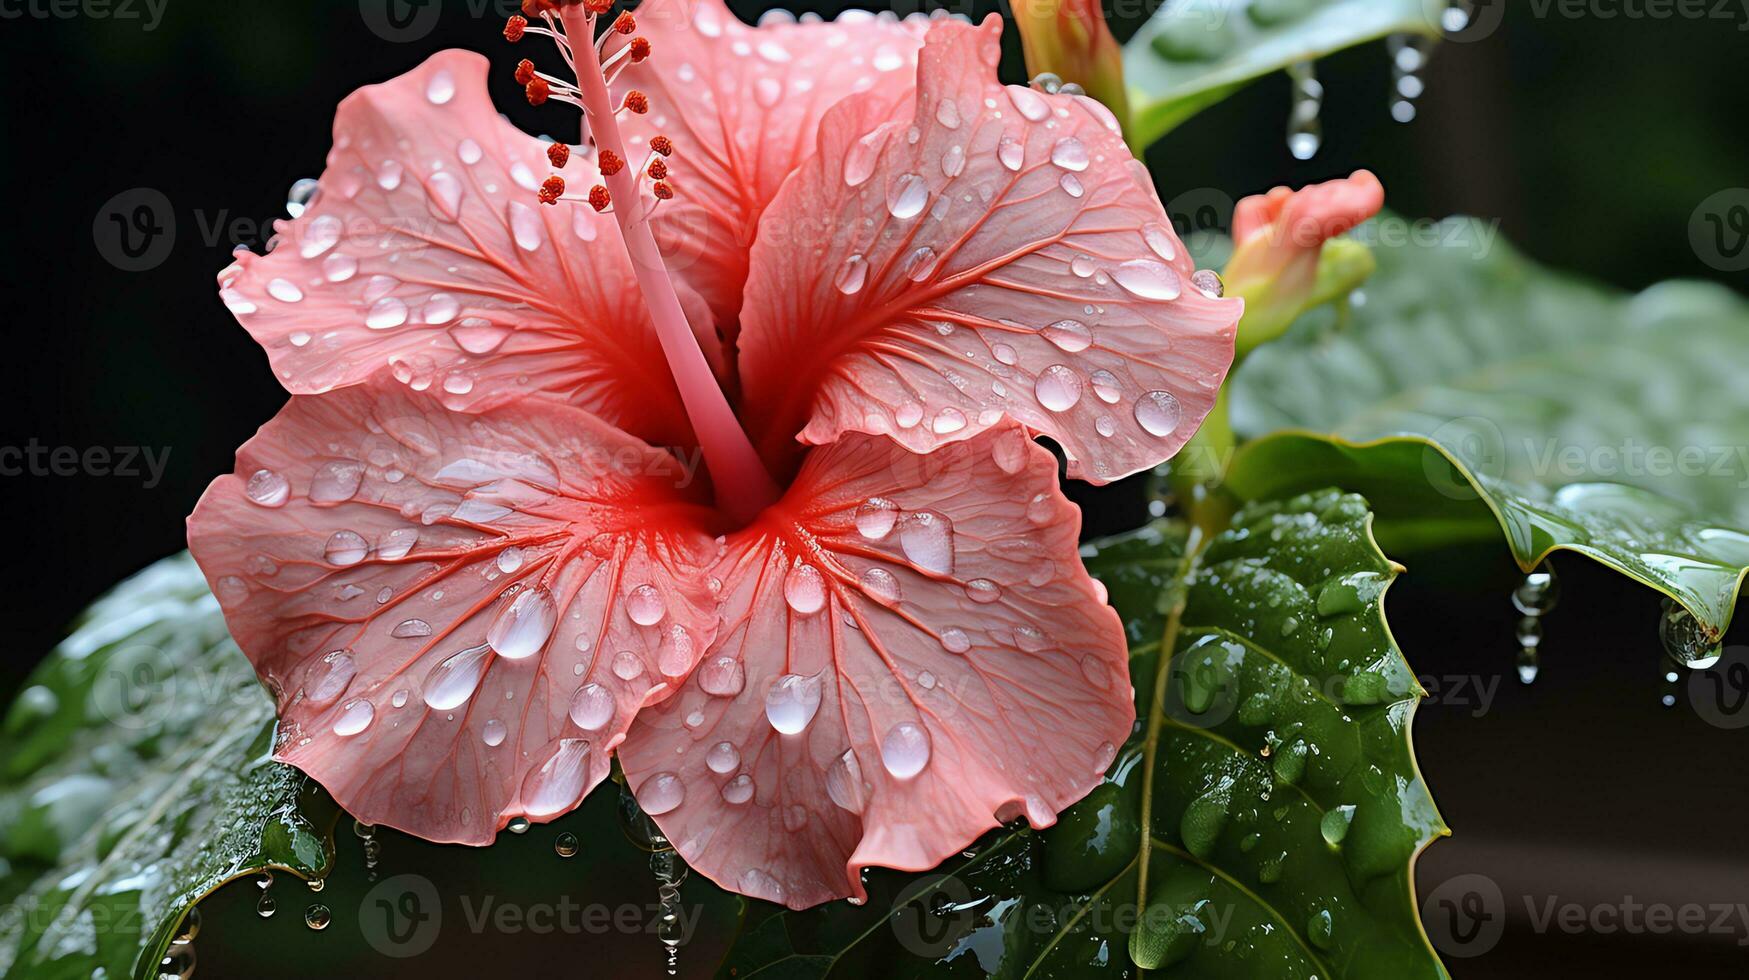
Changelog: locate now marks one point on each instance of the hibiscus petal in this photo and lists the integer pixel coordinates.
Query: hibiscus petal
(996, 252)
(458, 615)
(427, 251)
(742, 106)
(923, 629)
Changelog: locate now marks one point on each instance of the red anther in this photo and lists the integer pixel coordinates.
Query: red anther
(598, 7)
(551, 189)
(637, 102)
(534, 8)
(658, 170)
(624, 23)
(514, 27)
(640, 49)
(559, 154)
(524, 72)
(610, 163)
(662, 145)
(598, 198)
(537, 91)
(662, 191)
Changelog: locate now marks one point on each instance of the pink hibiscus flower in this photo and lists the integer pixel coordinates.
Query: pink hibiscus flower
(475, 558)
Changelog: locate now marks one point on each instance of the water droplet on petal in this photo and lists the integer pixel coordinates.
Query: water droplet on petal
(386, 314)
(723, 758)
(738, 790)
(927, 540)
(267, 488)
(1071, 336)
(1071, 185)
(336, 480)
(644, 605)
(906, 197)
(592, 707)
(524, 625)
(332, 678)
(953, 161)
(792, 702)
(722, 676)
(441, 88)
(453, 680)
(947, 112)
(955, 640)
(804, 590)
(920, 265)
(982, 590)
(1070, 154)
(844, 782)
(905, 750)
(881, 585)
(345, 548)
(1148, 279)
(1029, 103)
(355, 717)
(660, 793)
(411, 628)
(557, 784)
(1159, 413)
(851, 275)
(1011, 152)
(1058, 388)
(626, 665)
(493, 732)
(948, 421)
(875, 517)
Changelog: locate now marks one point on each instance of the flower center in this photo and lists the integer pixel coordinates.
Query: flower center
(742, 485)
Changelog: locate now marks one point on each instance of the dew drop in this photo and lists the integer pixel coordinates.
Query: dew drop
(722, 676)
(953, 161)
(446, 194)
(920, 264)
(661, 793)
(336, 481)
(411, 628)
(1029, 103)
(948, 421)
(804, 590)
(345, 548)
(386, 314)
(905, 750)
(355, 717)
(524, 625)
(738, 790)
(1058, 388)
(1011, 152)
(558, 783)
(881, 585)
(626, 665)
(441, 88)
(644, 605)
(493, 732)
(454, 679)
(723, 758)
(955, 640)
(875, 518)
(851, 275)
(267, 488)
(565, 845)
(1070, 154)
(1071, 336)
(927, 540)
(982, 590)
(337, 671)
(592, 707)
(339, 267)
(792, 702)
(907, 196)
(468, 151)
(1159, 413)
(1148, 279)
(1105, 386)
(947, 113)
(844, 783)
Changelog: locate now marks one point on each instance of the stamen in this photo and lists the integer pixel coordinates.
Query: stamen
(524, 72)
(537, 90)
(515, 27)
(609, 163)
(558, 154)
(657, 170)
(743, 487)
(640, 49)
(624, 24)
(552, 189)
(662, 145)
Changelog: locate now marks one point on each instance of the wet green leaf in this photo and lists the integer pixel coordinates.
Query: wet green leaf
(1203, 854)
(1474, 392)
(1192, 53)
(135, 780)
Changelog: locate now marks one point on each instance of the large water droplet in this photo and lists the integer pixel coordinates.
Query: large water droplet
(738, 790)
(331, 678)
(1011, 152)
(881, 585)
(267, 488)
(1071, 336)
(927, 540)
(345, 548)
(592, 707)
(907, 195)
(441, 88)
(1058, 388)
(723, 758)
(792, 701)
(386, 314)
(1148, 279)
(661, 793)
(557, 784)
(524, 625)
(905, 750)
(1685, 639)
(493, 732)
(851, 275)
(875, 517)
(844, 782)
(336, 480)
(1538, 593)
(1159, 413)
(454, 679)
(644, 605)
(804, 590)
(1029, 103)
(1070, 154)
(722, 676)
(355, 716)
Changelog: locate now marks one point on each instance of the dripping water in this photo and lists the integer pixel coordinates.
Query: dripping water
(1408, 57)
(373, 848)
(1534, 598)
(179, 960)
(669, 870)
(265, 906)
(1305, 127)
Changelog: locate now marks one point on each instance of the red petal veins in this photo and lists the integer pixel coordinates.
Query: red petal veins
(992, 252)
(428, 593)
(427, 253)
(743, 104)
(924, 631)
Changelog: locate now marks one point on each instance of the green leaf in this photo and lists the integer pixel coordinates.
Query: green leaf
(1192, 53)
(135, 780)
(1261, 824)
(1474, 392)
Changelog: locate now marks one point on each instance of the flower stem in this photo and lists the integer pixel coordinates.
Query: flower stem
(743, 487)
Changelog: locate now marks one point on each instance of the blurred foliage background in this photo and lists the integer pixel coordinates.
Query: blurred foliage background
(1592, 140)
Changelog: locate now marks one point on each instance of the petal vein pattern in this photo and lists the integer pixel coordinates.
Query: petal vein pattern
(982, 252)
(909, 652)
(427, 253)
(458, 615)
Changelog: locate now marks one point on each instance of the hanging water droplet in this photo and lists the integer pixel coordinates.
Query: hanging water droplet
(565, 845)
(1685, 639)
(517, 825)
(1538, 593)
(1305, 128)
(317, 917)
(1208, 282)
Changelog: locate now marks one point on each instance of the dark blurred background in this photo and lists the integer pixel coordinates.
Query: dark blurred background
(1592, 138)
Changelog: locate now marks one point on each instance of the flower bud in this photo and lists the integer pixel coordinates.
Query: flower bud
(1070, 39)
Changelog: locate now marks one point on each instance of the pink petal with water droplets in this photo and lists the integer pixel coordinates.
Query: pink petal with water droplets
(995, 251)
(945, 659)
(426, 592)
(427, 252)
(742, 106)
